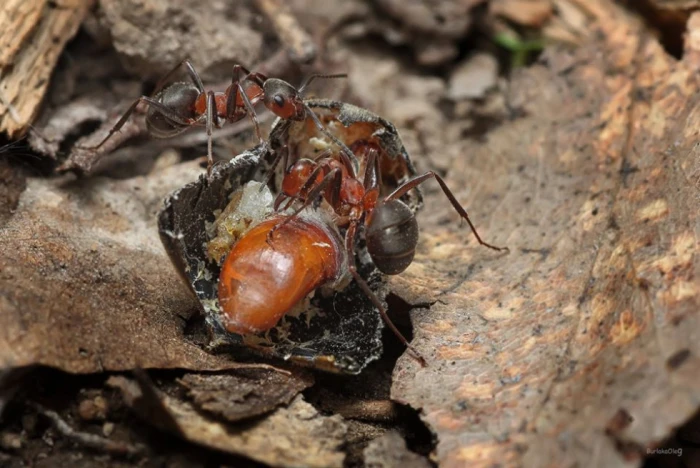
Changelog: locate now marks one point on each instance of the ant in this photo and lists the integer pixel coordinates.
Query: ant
(391, 230)
(174, 108)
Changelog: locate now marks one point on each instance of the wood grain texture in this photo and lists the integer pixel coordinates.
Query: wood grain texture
(32, 36)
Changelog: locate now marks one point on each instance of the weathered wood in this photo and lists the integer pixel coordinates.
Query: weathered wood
(32, 36)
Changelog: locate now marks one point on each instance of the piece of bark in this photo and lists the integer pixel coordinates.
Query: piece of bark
(32, 36)
(532, 355)
(85, 285)
(243, 394)
(389, 451)
(531, 13)
(297, 435)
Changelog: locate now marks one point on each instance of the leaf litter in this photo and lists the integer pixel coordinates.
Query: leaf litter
(578, 346)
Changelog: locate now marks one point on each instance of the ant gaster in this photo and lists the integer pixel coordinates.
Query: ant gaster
(174, 108)
(391, 230)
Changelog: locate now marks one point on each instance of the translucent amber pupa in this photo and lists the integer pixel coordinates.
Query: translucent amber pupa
(260, 281)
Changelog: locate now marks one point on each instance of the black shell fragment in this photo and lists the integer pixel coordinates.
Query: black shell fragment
(345, 338)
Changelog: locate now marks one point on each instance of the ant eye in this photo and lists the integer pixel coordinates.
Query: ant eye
(279, 100)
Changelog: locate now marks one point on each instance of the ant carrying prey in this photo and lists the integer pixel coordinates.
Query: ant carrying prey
(174, 108)
(391, 234)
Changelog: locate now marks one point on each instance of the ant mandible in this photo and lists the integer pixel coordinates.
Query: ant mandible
(174, 108)
(391, 230)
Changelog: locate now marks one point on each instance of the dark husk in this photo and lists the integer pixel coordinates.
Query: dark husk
(347, 335)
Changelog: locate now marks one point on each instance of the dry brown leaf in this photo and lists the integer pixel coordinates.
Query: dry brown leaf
(85, 285)
(581, 340)
(244, 394)
(290, 437)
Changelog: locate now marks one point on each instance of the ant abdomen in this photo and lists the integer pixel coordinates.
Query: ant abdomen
(392, 237)
(178, 99)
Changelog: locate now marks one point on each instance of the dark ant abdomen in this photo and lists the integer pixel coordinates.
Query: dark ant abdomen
(179, 99)
(392, 237)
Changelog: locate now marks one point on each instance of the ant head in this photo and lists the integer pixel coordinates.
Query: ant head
(283, 100)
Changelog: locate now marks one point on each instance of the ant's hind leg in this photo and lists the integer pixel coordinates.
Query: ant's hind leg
(415, 182)
(333, 177)
(350, 250)
(166, 111)
(194, 76)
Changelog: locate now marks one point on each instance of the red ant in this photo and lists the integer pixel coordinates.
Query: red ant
(181, 105)
(391, 233)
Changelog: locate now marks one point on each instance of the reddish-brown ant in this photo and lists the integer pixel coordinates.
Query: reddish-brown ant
(391, 233)
(175, 108)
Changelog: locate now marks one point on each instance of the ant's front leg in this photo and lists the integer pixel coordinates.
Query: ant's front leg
(333, 176)
(239, 99)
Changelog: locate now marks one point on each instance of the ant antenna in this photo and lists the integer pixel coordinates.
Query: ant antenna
(311, 78)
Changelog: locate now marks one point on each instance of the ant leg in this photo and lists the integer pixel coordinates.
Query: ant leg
(350, 252)
(279, 200)
(348, 162)
(290, 200)
(333, 176)
(372, 181)
(251, 113)
(256, 78)
(371, 169)
(166, 111)
(242, 68)
(211, 107)
(232, 99)
(194, 76)
(349, 158)
(311, 78)
(281, 154)
(321, 156)
(415, 182)
(238, 75)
